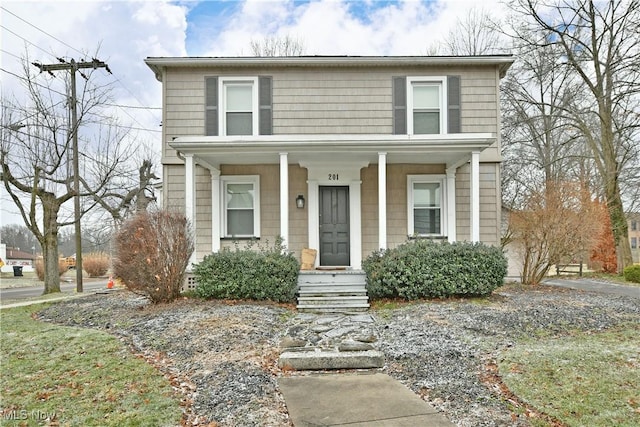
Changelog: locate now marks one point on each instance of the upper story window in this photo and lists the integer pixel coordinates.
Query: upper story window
(238, 106)
(239, 113)
(634, 225)
(426, 105)
(426, 211)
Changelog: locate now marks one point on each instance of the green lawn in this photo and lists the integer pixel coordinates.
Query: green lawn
(78, 376)
(587, 379)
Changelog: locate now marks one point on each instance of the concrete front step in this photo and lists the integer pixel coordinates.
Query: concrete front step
(332, 277)
(330, 291)
(333, 290)
(331, 308)
(339, 299)
(319, 360)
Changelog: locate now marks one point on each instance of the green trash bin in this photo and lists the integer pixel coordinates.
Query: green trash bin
(17, 271)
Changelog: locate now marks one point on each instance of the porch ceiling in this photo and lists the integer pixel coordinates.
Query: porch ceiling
(214, 151)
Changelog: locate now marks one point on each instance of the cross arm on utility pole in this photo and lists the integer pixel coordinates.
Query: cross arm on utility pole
(72, 65)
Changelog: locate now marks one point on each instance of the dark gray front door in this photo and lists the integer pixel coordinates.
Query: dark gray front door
(334, 226)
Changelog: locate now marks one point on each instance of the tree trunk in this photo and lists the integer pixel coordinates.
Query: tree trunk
(50, 247)
(619, 226)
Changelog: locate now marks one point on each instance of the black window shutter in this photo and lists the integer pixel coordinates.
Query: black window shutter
(211, 106)
(399, 94)
(265, 115)
(453, 104)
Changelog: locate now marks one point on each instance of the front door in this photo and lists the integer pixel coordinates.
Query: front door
(334, 226)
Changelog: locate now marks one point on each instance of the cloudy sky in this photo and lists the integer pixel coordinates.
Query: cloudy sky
(123, 33)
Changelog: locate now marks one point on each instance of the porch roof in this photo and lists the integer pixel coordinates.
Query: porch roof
(452, 149)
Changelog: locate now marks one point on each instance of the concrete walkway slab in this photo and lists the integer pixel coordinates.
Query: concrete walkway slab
(356, 400)
(320, 360)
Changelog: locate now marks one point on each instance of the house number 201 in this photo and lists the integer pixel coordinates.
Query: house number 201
(333, 177)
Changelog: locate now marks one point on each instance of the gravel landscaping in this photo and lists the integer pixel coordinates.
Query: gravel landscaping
(222, 356)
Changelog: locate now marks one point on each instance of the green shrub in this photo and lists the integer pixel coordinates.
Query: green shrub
(427, 269)
(632, 273)
(264, 273)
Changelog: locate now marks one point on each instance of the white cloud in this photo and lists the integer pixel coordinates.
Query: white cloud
(125, 32)
(330, 27)
(129, 31)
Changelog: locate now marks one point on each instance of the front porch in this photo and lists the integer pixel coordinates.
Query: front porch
(369, 167)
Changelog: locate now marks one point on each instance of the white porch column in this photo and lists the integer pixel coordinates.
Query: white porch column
(313, 208)
(216, 210)
(382, 200)
(475, 196)
(355, 224)
(190, 199)
(284, 198)
(451, 204)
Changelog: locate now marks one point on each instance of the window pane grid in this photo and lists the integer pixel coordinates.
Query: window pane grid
(426, 107)
(239, 205)
(426, 199)
(238, 108)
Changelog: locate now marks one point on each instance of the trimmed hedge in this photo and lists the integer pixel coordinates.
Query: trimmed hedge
(632, 273)
(268, 273)
(427, 269)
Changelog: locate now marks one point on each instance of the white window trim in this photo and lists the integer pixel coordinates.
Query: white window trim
(240, 179)
(442, 81)
(222, 116)
(427, 179)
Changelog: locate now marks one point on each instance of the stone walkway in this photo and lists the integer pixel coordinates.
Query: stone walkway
(331, 341)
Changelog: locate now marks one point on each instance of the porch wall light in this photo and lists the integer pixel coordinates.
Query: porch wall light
(300, 201)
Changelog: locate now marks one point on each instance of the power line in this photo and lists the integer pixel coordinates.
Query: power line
(12, 54)
(43, 31)
(133, 106)
(32, 82)
(142, 106)
(30, 42)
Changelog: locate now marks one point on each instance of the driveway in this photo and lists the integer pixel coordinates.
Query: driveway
(594, 285)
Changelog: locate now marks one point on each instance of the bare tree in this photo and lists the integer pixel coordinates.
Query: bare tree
(36, 155)
(286, 45)
(119, 202)
(540, 145)
(474, 34)
(600, 42)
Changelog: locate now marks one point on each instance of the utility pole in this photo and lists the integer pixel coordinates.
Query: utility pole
(73, 67)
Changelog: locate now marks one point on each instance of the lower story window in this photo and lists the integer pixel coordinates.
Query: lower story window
(425, 210)
(241, 208)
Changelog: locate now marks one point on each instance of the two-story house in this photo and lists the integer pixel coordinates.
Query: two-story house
(341, 154)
